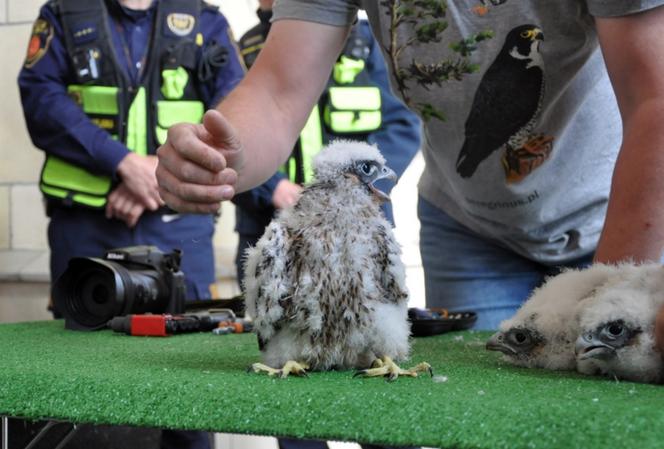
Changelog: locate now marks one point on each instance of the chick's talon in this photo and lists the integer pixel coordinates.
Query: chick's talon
(386, 367)
(290, 367)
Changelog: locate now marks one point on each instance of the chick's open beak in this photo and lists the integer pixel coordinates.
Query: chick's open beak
(385, 173)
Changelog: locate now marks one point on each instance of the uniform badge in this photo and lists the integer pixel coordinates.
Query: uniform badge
(40, 39)
(180, 24)
(83, 33)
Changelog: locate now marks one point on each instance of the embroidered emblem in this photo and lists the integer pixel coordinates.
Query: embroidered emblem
(40, 39)
(180, 24)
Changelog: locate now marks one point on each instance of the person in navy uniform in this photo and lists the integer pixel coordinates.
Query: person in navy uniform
(163, 61)
(378, 117)
(102, 82)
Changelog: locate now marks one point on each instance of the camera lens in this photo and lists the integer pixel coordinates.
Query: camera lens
(92, 291)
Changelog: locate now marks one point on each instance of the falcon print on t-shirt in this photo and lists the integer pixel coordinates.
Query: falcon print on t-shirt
(505, 109)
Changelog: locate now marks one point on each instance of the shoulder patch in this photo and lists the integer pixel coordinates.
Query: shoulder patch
(40, 39)
(180, 24)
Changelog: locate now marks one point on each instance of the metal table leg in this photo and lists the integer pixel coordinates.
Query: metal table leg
(42, 433)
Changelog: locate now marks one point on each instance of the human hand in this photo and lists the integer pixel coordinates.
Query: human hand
(138, 175)
(286, 194)
(198, 163)
(123, 205)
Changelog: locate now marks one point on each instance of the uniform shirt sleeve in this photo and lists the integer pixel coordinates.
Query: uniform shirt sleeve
(612, 8)
(399, 136)
(328, 12)
(216, 29)
(57, 125)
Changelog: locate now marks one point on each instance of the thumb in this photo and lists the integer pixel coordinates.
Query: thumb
(221, 132)
(224, 137)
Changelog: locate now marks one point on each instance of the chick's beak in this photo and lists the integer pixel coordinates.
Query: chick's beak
(385, 173)
(496, 343)
(589, 346)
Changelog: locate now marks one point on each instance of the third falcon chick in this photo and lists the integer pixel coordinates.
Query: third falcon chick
(617, 335)
(325, 284)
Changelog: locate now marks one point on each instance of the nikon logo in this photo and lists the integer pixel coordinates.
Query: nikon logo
(115, 256)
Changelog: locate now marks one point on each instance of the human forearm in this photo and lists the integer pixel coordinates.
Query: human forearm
(634, 227)
(633, 49)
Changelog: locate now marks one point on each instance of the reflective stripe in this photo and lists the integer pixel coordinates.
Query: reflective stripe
(346, 69)
(311, 142)
(63, 180)
(355, 98)
(137, 119)
(353, 109)
(171, 112)
(95, 99)
(91, 201)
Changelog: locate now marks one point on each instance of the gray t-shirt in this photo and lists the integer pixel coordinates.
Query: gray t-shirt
(522, 129)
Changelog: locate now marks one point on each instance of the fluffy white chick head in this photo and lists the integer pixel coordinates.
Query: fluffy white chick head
(617, 336)
(543, 332)
(359, 161)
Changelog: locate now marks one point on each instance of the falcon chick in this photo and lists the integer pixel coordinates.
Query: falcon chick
(617, 335)
(543, 332)
(325, 284)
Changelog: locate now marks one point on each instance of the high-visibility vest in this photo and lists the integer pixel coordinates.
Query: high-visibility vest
(139, 116)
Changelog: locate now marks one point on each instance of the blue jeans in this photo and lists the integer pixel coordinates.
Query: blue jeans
(465, 271)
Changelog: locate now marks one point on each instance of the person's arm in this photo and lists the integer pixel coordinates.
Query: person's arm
(634, 52)
(241, 147)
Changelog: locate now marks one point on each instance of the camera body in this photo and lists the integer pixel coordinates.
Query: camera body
(131, 280)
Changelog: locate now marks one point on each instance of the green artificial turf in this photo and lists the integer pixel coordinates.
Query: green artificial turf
(198, 381)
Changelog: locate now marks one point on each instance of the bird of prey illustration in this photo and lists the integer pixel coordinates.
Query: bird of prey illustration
(507, 101)
(617, 337)
(543, 332)
(325, 284)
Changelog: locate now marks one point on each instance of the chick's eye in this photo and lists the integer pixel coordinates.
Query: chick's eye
(367, 169)
(520, 337)
(615, 329)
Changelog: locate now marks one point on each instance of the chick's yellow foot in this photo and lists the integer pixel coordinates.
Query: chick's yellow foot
(290, 367)
(386, 367)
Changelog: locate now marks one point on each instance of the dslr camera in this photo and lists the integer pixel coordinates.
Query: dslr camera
(132, 280)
